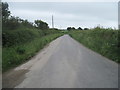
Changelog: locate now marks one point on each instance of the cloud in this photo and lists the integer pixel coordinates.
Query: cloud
(60, 0)
(82, 14)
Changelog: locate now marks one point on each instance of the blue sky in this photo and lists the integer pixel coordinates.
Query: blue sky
(77, 14)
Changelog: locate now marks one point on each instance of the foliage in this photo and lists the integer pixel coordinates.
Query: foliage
(18, 37)
(26, 23)
(21, 39)
(12, 22)
(17, 54)
(20, 50)
(70, 28)
(5, 11)
(80, 28)
(41, 25)
(86, 28)
(103, 41)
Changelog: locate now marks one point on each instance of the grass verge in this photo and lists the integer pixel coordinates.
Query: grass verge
(15, 55)
(102, 41)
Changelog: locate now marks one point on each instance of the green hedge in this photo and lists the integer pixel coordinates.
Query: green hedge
(103, 41)
(15, 55)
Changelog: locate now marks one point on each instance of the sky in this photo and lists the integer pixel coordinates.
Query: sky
(68, 14)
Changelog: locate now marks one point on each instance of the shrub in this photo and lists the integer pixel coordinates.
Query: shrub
(20, 50)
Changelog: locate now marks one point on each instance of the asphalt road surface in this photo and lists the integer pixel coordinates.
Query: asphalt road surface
(64, 63)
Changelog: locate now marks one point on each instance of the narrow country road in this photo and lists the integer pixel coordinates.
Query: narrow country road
(64, 63)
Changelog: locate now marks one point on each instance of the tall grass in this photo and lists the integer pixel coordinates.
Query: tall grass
(17, 53)
(103, 41)
(23, 35)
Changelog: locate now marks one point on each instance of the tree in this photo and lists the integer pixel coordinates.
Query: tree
(68, 28)
(73, 28)
(5, 11)
(86, 28)
(41, 25)
(80, 28)
(5, 14)
(26, 23)
(11, 23)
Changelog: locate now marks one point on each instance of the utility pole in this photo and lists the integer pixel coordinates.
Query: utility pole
(52, 22)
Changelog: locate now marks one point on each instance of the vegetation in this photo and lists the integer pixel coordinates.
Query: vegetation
(23, 35)
(5, 11)
(103, 41)
(80, 28)
(70, 28)
(41, 25)
(86, 28)
(17, 54)
(21, 39)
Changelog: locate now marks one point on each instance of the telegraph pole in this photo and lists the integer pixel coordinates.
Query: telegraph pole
(52, 22)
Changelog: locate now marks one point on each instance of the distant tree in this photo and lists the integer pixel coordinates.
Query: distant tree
(99, 27)
(5, 14)
(26, 23)
(41, 25)
(73, 28)
(80, 28)
(55, 28)
(12, 23)
(68, 28)
(5, 10)
(86, 28)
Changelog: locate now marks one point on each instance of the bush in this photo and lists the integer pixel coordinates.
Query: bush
(15, 55)
(20, 50)
(80, 28)
(41, 25)
(20, 36)
(103, 41)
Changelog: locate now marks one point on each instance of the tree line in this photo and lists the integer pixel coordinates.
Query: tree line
(79, 28)
(11, 22)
